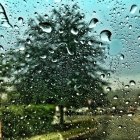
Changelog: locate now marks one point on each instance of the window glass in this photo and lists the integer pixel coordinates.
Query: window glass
(69, 69)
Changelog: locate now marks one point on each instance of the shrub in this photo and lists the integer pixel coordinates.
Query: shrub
(23, 121)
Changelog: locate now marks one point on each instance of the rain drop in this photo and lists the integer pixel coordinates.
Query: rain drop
(1, 36)
(127, 102)
(130, 115)
(108, 74)
(121, 56)
(105, 35)
(102, 76)
(46, 16)
(74, 31)
(16, 27)
(108, 89)
(1, 47)
(61, 31)
(43, 57)
(93, 23)
(46, 27)
(132, 82)
(20, 20)
(126, 86)
(115, 97)
(133, 9)
(21, 48)
(120, 126)
(90, 42)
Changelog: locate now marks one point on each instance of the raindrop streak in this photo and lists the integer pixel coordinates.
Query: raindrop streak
(69, 51)
(93, 23)
(4, 21)
(46, 27)
(133, 9)
(105, 35)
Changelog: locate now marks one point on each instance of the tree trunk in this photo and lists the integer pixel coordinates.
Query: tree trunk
(61, 108)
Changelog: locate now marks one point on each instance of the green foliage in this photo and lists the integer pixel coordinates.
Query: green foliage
(21, 121)
(59, 61)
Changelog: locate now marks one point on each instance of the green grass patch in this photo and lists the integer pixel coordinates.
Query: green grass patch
(73, 129)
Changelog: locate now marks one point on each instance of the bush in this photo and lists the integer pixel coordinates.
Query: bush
(23, 121)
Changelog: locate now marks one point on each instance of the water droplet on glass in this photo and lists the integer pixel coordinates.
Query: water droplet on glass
(129, 114)
(121, 56)
(127, 102)
(1, 36)
(54, 60)
(105, 35)
(120, 126)
(28, 41)
(108, 89)
(133, 9)
(21, 48)
(43, 57)
(115, 97)
(46, 27)
(126, 86)
(20, 20)
(16, 27)
(46, 16)
(77, 94)
(102, 76)
(1, 47)
(130, 27)
(27, 55)
(74, 31)
(61, 31)
(108, 74)
(93, 23)
(90, 42)
(132, 82)
(94, 12)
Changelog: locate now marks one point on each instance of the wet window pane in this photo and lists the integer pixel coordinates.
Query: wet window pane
(69, 69)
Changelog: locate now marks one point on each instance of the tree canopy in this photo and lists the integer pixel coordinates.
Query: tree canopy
(59, 61)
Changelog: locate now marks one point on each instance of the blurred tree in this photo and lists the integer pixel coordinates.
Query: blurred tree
(59, 61)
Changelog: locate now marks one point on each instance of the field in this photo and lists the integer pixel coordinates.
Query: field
(109, 127)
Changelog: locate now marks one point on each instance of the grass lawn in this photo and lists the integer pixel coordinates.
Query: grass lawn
(76, 126)
(108, 128)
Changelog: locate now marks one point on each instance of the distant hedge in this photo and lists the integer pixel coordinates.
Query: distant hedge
(24, 121)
